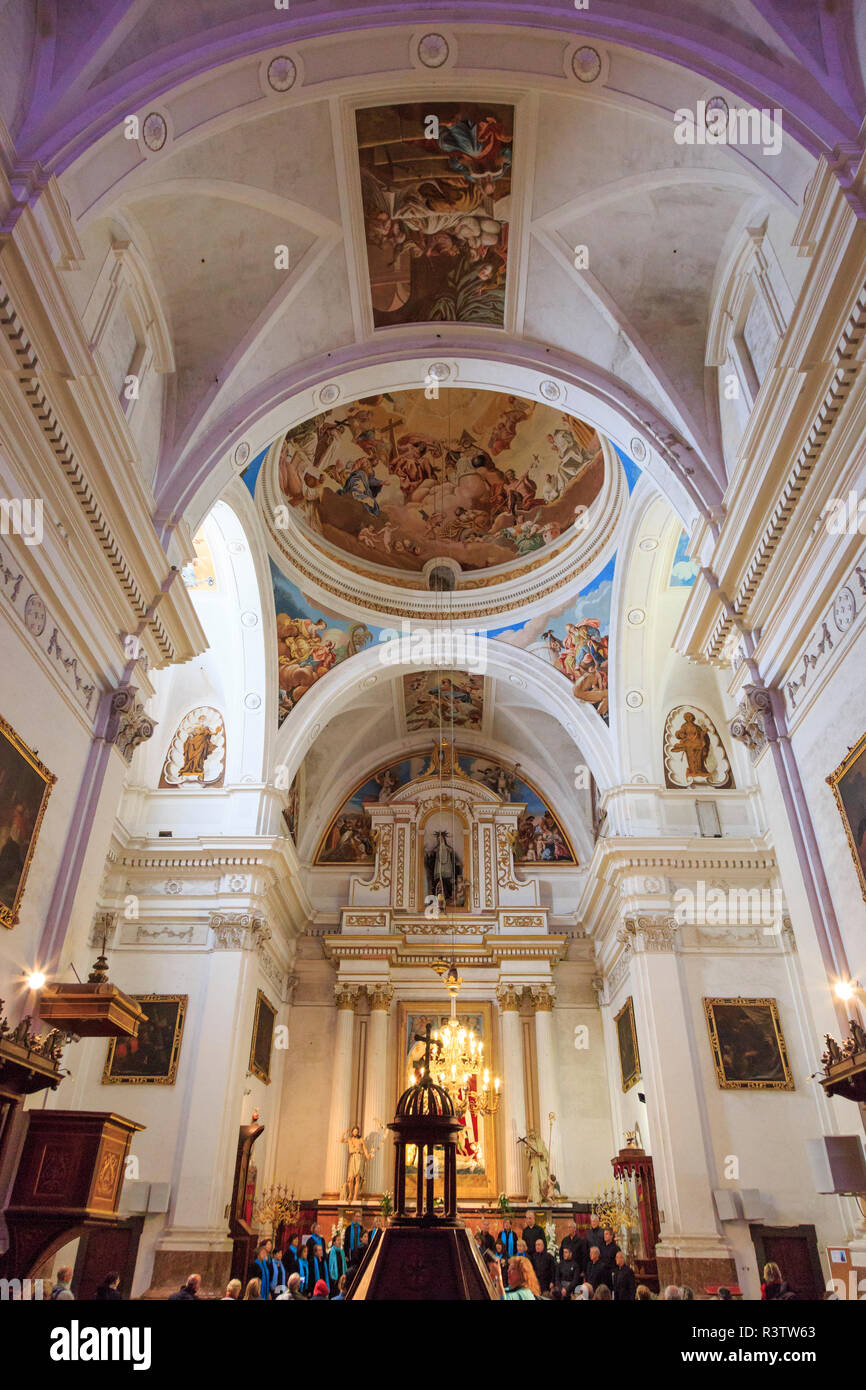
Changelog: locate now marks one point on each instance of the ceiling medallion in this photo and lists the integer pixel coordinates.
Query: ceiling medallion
(636, 616)
(634, 699)
(648, 543)
(638, 450)
(329, 394)
(241, 455)
(844, 609)
(716, 103)
(433, 50)
(550, 390)
(586, 64)
(440, 371)
(250, 619)
(282, 73)
(154, 131)
(253, 701)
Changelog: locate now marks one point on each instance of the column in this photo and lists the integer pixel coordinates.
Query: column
(513, 1107)
(376, 1082)
(543, 997)
(346, 997)
(690, 1250)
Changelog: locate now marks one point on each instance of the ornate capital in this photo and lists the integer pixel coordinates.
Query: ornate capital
(654, 934)
(542, 997)
(753, 723)
(238, 931)
(127, 725)
(509, 997)
(381, 996)
(346, 996)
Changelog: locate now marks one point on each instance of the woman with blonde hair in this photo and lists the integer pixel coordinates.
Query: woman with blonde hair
(643, 1294)
(774, 1286)
(253, 1291)
(601, 1293)
(233, 1291)
(522, 1282)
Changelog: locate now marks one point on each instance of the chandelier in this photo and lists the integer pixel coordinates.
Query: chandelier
(459, 1056)
(277, 1208)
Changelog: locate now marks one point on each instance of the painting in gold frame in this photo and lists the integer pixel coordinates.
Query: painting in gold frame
(25, 786)
(262, 1043)
(748, 1044)
(150, 1059)
(849, 788)
(626, 1037)
(475, 1180)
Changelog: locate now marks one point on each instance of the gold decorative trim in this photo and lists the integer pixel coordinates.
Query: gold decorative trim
(108, 1079)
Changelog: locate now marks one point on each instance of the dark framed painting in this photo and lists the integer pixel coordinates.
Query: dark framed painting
(749, 1051)
(263, 1038)
(25, 786)
(151, 1058)
(626, 1036)
(849, 788)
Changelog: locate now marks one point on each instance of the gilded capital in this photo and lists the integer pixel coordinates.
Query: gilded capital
(509, 998)
(346, 996)
(543, 998)
(380, 996)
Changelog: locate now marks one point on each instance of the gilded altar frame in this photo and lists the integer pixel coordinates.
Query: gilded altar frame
(470, 1186)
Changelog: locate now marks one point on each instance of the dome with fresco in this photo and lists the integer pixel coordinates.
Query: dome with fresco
(394, 481)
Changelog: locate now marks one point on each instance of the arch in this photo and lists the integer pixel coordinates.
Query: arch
(191, 485)
(334, 693)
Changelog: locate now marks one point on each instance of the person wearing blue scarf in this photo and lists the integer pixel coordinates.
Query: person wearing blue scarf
(336, 1262)
(279, 1277)
(312, 1267)
(353, 1235)
(509, 1239)
(264, 1267)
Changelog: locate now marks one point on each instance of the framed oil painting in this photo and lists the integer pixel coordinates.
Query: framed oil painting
(25, 786)
(626, 1036)
(749, 1051)
(849, 788)
(151, 1058)
(263, 1038)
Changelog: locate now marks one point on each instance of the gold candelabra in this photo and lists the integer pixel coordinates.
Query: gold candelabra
(613, 1206)
(277, 1207)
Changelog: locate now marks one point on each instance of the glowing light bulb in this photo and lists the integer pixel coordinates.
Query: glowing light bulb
(844, 990)
(35, 979)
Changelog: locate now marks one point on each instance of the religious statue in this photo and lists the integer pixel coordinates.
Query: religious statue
(694, 741)
(539, 1167)
(359, 1155)
(197, 748)
(443, 867)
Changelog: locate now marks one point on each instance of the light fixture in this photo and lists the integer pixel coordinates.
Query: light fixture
(35, 980)
(845, 990)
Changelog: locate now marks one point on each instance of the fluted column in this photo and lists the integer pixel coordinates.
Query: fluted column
(543, 997)
(513, 1108)
(341, 1088)
(376, 1081)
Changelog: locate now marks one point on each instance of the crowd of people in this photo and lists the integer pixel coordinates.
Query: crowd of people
(582, 1265)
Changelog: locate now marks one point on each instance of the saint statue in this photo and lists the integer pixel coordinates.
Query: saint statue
(539, 1168)
(359, 1155)
(443, 868)
(197, 748)
(694, 741)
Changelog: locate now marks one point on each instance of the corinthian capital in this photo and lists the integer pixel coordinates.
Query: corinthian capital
(381, 995)
(346, 996)
(543, 997)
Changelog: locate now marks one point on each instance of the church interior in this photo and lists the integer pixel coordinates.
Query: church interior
(432, 590)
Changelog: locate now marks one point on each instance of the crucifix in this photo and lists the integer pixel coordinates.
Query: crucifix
(428, 1042)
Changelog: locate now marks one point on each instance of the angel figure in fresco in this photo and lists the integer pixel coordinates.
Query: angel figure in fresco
(694, 741)
(359, 1156)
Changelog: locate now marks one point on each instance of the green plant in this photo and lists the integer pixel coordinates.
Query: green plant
(386, 1206)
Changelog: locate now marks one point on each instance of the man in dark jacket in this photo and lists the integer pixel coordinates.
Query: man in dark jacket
(571, 1237)
(596, 1272)
(544, 1265)
(531, 1233)
(609, 1250)
(187, 1291)
(622, 1280)
(568, 1276)
(594, 1236)
(508, 1238)
(487, 1241)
